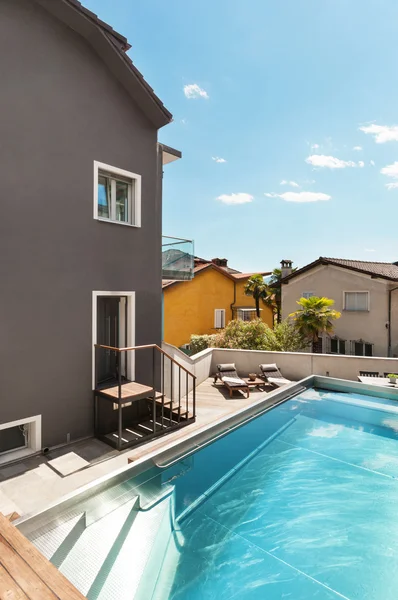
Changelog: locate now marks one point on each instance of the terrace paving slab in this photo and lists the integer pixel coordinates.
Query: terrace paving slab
(30, 485)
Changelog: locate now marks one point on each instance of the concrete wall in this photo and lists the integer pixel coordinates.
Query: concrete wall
(293, 365)
(331, 281)
(199, 365)
(61, 110)
(296, 365)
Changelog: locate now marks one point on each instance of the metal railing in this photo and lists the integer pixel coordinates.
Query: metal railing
(162, 379)
(177, 258)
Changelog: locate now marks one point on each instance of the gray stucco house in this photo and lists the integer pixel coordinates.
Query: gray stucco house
(80, 227)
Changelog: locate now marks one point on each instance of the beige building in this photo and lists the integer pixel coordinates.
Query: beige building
(366, 294)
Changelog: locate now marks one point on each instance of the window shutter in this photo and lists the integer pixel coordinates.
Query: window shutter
(219, 318)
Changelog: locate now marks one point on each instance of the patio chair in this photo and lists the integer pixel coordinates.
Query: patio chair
(271, 374)
(369, 374)
(228, 375)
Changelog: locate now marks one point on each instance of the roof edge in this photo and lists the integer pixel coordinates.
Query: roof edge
(326, 261)
(111, 48)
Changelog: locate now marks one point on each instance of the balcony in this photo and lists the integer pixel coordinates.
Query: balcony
(177, 258)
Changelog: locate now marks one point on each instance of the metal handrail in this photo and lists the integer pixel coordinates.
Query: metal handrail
(171, 237)
(174, 405)
(129, 349)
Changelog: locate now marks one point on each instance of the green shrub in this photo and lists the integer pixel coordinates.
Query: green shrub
(248, 335)
(253, 335)
(201, 342)
(285, 337)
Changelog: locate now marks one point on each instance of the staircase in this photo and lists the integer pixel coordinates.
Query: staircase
(164, 399)
(115, 547)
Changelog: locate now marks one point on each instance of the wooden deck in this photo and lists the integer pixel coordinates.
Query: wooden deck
(129, 391)
(24, 572)
(212, 403)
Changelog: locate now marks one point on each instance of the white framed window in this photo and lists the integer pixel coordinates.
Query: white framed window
(117, 195)
(246, 314)
(219, 318)
(307, 294)
(356, 301)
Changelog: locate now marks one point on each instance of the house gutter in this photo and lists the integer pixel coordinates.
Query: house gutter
(389, 353)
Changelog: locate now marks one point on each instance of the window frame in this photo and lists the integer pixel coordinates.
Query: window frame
(339, 342)
(356, 292)
(364, 345)
(219, 311)
(134, 195)
(245, 311)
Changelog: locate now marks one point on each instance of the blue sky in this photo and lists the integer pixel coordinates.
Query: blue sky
(296, 91)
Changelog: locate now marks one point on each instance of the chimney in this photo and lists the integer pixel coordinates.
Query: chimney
(220, 262)
(286, 268)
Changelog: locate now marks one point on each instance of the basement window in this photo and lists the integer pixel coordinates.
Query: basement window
(117, 195)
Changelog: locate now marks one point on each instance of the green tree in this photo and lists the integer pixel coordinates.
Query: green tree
(284, 337)
(274, 285)
(257, 288)
(315, 316)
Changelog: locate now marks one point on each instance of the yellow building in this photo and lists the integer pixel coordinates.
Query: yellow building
(208, 302)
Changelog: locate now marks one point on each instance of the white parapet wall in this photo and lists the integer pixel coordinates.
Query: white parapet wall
(294, 365)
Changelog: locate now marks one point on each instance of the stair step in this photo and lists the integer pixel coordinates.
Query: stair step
(147, 426)
(129, 566)
(48, 541)
(86, 558)
(172, 408)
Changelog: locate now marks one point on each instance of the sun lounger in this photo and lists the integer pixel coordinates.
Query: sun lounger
(228, 375)
(271, 374)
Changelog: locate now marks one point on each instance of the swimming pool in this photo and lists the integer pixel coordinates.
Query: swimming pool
(297, 503)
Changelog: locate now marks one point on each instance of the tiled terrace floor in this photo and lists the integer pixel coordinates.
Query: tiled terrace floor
(34, 483)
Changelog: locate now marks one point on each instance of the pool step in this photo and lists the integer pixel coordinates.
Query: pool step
(133, 573)
(52, 543)
(90, 553)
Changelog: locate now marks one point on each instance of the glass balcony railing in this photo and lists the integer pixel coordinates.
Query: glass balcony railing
(177, 258)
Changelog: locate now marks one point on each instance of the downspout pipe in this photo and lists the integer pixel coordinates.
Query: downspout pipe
(389, 318)
(234, 302)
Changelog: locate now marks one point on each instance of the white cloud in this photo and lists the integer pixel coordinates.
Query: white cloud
(300, 196)
(391, 171)
(361, 164)
(314, 146)
(241, 198)
(291, 183)
(370, 250)
(381, 133)
(329, 162)
(183, 121)
(217, 159)
(372, 163)
(357, 148)
(195, 91)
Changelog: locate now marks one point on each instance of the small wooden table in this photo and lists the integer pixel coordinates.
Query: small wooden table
(379, 381)
(252, 383)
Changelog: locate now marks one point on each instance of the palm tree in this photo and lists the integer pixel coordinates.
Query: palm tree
(257, 288)
(274, 285)
(314, 317)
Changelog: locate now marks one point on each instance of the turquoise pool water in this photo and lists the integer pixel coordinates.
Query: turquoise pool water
(300, 503)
